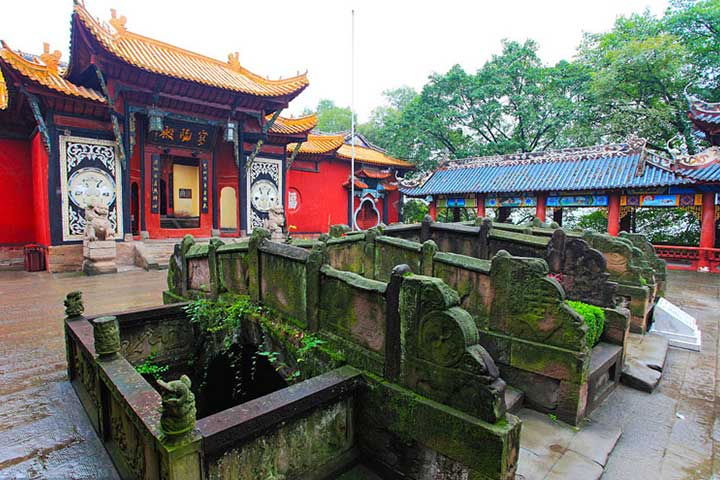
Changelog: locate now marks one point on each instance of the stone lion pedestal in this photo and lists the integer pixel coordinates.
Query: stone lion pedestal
(99, 248)
(99, 257)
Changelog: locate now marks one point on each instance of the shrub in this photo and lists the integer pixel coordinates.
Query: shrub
(150, 368)
(594, 318)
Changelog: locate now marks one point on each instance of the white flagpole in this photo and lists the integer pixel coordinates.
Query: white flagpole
(352, 121)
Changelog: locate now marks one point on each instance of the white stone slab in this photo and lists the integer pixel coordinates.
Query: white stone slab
(678, 326)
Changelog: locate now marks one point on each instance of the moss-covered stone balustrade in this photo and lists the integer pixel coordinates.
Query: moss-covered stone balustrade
(595, 268)
(520, 313)
(397, 381)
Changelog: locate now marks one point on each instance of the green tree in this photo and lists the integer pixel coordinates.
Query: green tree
(697, 25)
(331, 118)
(513, 103)
(639, 71)
(381, 128)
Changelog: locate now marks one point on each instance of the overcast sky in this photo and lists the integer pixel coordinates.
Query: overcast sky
(396, 42)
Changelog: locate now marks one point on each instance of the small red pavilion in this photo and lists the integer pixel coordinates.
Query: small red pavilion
(319, 184)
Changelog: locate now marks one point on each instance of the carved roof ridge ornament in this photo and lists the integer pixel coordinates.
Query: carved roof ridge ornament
(118, 23)
(234, 61)
(51, 60)
(165, 59)
(45, 70)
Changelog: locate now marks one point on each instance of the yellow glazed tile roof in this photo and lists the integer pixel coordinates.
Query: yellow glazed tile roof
(368, 155)
(319, 144)
(289, 126)
(46, 72)
(3, 93)
(326, 144)
(162, 58)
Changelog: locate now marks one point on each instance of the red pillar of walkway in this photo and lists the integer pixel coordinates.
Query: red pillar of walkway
(540, 207)
(614, 214)
(707, 225)
(433, 209)
(480, 199)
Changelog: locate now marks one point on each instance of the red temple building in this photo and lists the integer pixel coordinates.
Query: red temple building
(319, 184)
(173, 142)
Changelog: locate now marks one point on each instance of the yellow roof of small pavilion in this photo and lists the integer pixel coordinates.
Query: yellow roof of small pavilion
(161, 58)
(319, 144)
(45, 71)
(368, 155)
(289, 126)
(3, 93)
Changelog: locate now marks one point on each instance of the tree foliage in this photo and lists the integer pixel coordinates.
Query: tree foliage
(629, 80)
(331, 118)
(513, 103)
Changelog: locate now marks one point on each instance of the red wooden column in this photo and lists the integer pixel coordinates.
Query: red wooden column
(433, 209)
(707, 225)
(541, 206)
(614, 214)
(480, 199)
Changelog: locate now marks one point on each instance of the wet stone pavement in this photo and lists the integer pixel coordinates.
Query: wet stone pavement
(671, 434)
(44, 432)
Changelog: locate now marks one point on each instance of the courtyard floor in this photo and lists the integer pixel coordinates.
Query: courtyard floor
(671, 434)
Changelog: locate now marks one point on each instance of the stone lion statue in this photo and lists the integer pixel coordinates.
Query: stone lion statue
(97, 225)
(178, 406)
(275, 222)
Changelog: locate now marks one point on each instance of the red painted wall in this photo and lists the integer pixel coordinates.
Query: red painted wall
(17, 224)
(322, 200)
(40, 190)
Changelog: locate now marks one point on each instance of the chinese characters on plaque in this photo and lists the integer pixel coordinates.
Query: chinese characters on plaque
(184, 134)
(204, 185)
(155, 184)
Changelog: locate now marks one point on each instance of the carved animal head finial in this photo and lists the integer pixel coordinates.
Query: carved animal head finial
(73, 304)
(51, 60)
(118, 23)
(178, 407)
(234, 60)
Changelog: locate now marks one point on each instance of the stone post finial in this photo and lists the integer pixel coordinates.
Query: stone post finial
(73, 304)
(178, 407)
(106, 333)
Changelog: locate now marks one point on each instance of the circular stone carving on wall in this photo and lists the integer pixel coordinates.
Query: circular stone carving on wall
(91, 183)
(441, 339)
(264, 195)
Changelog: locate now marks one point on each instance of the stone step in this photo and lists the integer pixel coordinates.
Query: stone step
(513, 399)
(644, 361)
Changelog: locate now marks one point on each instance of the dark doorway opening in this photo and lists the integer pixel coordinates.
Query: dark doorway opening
(163, 197)
(134, 209)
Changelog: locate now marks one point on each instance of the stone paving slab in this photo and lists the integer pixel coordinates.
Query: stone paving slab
(44, 431)
(644, 361)
(670, 434)
(550, 449)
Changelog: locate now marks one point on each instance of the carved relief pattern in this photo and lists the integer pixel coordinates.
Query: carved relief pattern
(85, 373)
(82, 162)
(77, 152)
(265, 171)
(259, 167)
(154, 338)
(127, 439)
